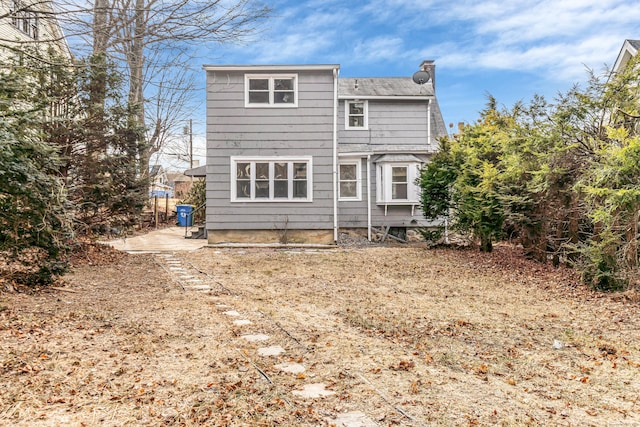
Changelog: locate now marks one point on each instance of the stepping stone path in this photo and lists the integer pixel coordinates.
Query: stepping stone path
(291, 368)
(313, 391)
(188, 281)
(255, 338)
(352, 419)
(308, 391)
(274, 350)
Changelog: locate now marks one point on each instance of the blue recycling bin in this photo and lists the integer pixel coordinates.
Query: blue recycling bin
(185, 218)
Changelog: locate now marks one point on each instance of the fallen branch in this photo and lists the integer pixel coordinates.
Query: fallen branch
(387, 401)
(57, 288)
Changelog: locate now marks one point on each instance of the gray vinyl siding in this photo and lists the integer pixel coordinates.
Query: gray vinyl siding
(393, 126)
(234, 130)
(353, 214)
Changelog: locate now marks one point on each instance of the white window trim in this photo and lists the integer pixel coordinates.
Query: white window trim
(365, 113)
(271, 78)
(23, 17)
(383, 184)
(358, 163)
(234, 160)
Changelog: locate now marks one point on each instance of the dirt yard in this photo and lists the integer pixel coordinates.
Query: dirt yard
(384, 335)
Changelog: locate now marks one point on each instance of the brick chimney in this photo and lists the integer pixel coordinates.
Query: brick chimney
(430, 66)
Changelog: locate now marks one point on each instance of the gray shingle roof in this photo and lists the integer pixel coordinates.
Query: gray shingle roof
(634, 43)
(382, 86)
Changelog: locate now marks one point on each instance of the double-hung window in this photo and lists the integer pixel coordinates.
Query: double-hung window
(276, 91)
(356, 113)
(24, 19)
(349, 187)
(271, 179)
(396, 183)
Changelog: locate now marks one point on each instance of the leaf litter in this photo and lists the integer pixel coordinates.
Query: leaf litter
(401, 334)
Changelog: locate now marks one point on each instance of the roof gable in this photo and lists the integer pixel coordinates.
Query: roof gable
(629, 49)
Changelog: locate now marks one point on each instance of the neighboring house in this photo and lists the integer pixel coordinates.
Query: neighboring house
(629, 49)
(180, 184)
(295, 153)
(159, 183)
(628, 119)
(30, 25)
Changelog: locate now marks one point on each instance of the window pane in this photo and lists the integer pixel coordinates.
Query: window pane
(281, 170)
(258, 97)
(299, 171)
(243, 189)
(348, 189)
(283, 84)
(399, 191)
(356, 108)
(399, 174)
(262, 171)
(356, 122)
(284, 97)
(281, 189)
(258, 84)
(243, 170)
(347, 172)
(262, 189)
(300, 189)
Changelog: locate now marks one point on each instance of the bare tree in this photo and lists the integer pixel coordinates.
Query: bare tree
(152, 42)
(152, 39)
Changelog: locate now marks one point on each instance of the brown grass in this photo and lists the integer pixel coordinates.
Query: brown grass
(405, 335)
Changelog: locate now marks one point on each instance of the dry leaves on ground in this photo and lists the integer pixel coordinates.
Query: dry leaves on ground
(405, 335)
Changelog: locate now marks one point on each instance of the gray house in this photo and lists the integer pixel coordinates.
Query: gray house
(295, 153)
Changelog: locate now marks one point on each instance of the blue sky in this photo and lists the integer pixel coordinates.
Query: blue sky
(510, 49)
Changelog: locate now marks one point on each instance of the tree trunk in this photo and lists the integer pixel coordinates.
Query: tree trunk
(136, 88)
(98, 87)
(485, 244)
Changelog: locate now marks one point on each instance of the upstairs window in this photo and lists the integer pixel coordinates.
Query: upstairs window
(270, 179)
(262, 90)
(356, 115)
(24, 19)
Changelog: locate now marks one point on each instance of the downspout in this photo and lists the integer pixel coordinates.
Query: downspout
(335, 155)
(368, 175)
(428, 121)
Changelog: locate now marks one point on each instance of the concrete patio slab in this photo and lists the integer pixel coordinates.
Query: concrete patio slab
(163, 240)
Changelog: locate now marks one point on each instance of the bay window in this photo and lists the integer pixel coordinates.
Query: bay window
(396, 183)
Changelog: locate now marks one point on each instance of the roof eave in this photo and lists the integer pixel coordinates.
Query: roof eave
(312, 67)
(389, 97)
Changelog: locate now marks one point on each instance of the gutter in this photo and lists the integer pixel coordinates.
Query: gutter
(428, 122)
(284, 67)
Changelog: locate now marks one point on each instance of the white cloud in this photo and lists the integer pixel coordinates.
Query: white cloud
(554, 38)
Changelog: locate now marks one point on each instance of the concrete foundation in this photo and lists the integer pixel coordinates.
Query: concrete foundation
(315, 237)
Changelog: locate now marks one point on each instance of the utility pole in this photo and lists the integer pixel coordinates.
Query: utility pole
(190, 143)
